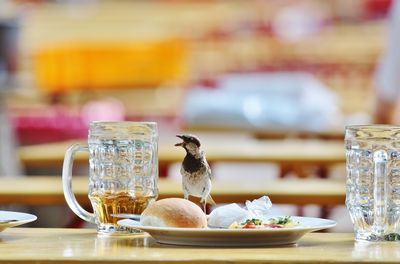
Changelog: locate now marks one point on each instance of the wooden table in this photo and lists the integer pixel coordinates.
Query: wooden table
(47, 190)
(265, 133)
(49, 246)
(288, 153)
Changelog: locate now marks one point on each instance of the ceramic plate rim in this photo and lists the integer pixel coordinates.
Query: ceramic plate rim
(23, 218)
(329, 224)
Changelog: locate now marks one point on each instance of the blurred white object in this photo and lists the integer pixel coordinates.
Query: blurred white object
(284, 100)
(294, 23)
(358, 118)
(388, 73)
(225, 215)
(9, 161)
(7, 9)
(108, 109)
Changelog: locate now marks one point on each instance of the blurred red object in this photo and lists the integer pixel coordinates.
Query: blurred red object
(48, 124)
(55, 123)
(376, 8)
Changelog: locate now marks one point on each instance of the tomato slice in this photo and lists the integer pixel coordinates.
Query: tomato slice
(250, 225)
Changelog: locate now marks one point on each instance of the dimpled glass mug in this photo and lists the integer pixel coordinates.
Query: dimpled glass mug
(373, 181)
(123, 172)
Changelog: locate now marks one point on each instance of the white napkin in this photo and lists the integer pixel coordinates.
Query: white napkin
(225, 215)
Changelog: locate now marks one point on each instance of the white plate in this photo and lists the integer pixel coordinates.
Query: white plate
(21, 218)
(232, 237)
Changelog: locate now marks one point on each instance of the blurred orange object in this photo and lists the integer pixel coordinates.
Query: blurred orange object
(88, 66)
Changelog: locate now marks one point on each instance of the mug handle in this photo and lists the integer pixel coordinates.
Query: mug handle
(381, 189)
(67, 184)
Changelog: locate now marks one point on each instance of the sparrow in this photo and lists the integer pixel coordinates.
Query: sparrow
(195, 171)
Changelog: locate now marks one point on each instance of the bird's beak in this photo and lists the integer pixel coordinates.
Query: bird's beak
(181, 143)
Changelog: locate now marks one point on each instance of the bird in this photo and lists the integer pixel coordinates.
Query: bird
(195, 171)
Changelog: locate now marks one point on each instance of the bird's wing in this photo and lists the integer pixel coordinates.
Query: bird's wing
(208, 168)
(209, 171)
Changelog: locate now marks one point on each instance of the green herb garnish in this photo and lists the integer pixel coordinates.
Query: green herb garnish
(280, 220)
(254, 221)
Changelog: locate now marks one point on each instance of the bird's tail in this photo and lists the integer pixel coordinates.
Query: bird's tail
(208, 200)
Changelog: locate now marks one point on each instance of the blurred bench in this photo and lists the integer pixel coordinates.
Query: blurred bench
(47, 190)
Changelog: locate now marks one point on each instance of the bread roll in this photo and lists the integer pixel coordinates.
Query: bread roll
(174, 212)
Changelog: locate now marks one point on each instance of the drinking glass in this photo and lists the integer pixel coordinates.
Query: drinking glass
(373, 181)
(123, 172)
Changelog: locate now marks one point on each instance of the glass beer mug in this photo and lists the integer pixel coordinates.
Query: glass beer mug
(123, 172)
(373, 181)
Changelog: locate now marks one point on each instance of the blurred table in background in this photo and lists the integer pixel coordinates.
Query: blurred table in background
(47, 190)
(288, 154)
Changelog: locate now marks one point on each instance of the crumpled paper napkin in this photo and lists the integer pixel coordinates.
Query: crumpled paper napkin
(225, 215)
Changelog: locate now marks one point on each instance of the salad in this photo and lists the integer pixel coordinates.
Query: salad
(276, 222)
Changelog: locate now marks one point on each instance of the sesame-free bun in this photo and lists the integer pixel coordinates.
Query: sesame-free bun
(174, 212)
